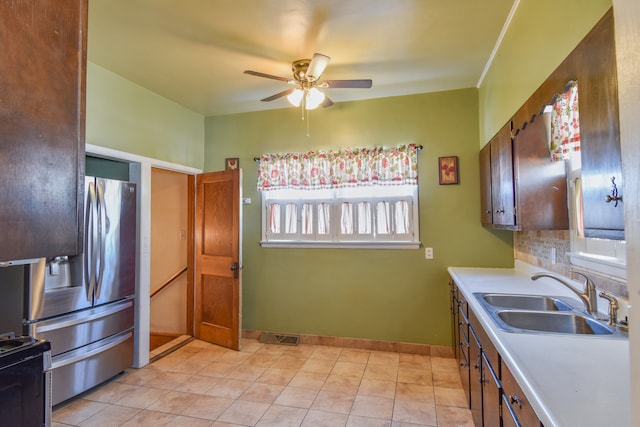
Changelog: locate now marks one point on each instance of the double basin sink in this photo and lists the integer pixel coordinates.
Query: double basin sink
(543, 314)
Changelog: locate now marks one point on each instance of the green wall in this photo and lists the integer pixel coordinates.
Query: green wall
(541, 35)
(124, 116)
(393, 295)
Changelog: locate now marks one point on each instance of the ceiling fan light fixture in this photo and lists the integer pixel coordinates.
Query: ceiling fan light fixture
(314, 98)
(295, 97)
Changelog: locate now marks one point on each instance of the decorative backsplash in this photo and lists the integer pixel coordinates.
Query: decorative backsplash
(536, 247)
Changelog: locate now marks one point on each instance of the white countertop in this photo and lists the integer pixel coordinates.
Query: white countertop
(570, 380)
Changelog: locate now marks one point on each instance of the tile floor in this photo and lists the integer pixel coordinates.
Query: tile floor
(276, 385)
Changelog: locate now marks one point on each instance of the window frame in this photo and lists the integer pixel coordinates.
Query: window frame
(408, 193)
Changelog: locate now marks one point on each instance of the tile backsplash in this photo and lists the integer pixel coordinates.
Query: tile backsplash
(536, 248)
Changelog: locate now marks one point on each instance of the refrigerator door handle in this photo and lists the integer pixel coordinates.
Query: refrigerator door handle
(103, 229)
(88, 354)
(89, 241)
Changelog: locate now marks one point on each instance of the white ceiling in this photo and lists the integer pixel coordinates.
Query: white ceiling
(194, 52)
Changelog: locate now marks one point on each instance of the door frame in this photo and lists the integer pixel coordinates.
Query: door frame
(140, 173)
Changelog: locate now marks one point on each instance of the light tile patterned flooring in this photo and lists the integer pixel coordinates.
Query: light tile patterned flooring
(275, 385)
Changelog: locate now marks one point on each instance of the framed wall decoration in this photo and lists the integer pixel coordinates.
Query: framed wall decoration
(448, 170)
(231, 163)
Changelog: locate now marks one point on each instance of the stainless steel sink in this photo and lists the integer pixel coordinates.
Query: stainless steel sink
(527, 302)
(525, 313)
(555, 322)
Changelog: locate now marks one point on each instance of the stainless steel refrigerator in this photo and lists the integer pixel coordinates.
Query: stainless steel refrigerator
(84, 305)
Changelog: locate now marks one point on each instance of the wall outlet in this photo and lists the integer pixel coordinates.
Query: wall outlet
(246, 201)
(183, 235)
(428, 253)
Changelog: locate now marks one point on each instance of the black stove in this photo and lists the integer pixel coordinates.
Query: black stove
(12, 347)
(24, 399)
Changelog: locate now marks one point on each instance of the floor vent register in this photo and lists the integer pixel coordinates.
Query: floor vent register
(271, 338)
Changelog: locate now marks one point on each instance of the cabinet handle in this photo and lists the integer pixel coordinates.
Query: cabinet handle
(499, 211)
(613, 197)
(515, 399)
(487, 212)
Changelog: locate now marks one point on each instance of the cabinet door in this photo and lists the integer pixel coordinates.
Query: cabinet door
(463, 334)
(502, 189)
(486, 211)
(42, 76)
(455, 336)
(475, 385)
(515, 404)
(600, 132)
(489, 376)
(541, 185)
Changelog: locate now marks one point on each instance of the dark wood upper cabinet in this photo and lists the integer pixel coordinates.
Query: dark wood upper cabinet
(502, 186)
(600, 132)
(42, 126)
(541, 185)
(526, 190)
(486, 210)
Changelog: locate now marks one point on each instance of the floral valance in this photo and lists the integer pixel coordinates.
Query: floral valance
(565, 123)
(348, 167)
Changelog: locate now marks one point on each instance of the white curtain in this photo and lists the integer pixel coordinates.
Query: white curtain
(401, 217)
(346, 219)
(364, 218)
(324, 218)
(274, 218)
(307, 219)
(291, 219)
(383, 218)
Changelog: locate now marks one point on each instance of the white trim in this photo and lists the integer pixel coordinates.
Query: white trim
(348, 245)
(607, 265)
(494, 52)
(142, 303)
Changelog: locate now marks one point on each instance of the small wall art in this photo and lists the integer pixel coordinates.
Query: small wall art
(448, 170)
(231, 163)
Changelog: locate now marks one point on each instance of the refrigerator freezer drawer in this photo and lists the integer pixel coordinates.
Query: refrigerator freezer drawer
(79, 370)
(84, 327)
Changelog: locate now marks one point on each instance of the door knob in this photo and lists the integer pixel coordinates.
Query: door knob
(235, 267)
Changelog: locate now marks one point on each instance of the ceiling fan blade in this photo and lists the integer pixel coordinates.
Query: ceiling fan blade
(267, 76)
(316, 67)
(326, 103)
(278, 95)
(363, 83)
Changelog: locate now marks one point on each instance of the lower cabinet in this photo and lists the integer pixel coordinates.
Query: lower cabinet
(516, 408)
(495, 398)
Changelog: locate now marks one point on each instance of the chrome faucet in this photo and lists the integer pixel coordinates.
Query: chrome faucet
(613, 307)
(589, 296)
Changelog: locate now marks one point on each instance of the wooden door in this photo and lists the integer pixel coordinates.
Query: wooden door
(218, 258)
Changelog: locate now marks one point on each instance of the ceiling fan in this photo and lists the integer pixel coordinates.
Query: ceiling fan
(306, 83)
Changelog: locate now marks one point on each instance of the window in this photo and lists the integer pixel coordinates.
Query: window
(351, 217)
(345, 198)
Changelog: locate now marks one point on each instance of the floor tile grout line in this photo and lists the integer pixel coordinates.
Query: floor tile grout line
(305, 356)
